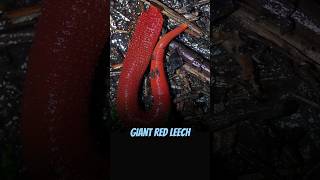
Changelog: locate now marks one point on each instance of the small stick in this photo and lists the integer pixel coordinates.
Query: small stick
(121, 31)
(26, 11)
(20, 17)
(191, 57)
(116, 66)
(307, 101)
(202, 2)
(196, 73)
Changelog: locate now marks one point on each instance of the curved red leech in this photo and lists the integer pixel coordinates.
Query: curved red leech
(159, 83)
(56, 137)
(135, 64)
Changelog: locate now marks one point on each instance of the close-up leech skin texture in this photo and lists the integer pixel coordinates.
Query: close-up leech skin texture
(57, 140)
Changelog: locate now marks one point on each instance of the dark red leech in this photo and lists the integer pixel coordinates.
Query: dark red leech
(55, 132)
(137, 59)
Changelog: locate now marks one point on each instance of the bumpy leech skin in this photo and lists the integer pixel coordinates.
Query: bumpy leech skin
(141, 46)
(55, 114)
(135, 64)
(159, 83)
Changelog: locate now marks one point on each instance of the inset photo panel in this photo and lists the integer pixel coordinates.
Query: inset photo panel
(159, 63)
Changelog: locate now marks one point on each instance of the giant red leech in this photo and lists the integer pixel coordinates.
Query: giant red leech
(142, 48)
(57, 142)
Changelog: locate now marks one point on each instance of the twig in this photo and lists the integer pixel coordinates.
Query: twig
(202, 2)
(196, 73)
(295, 46)
(121, 31)
(307, 101)
(116, 66)
(192, 58)
(20, 17)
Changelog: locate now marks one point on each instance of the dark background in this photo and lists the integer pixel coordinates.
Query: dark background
(271, 134)
(160, 158)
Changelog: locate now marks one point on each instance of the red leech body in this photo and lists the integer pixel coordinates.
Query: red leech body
(57, 142)
(135, 64)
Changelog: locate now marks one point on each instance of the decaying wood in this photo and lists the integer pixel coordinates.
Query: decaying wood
(295, 44)
(198, 65)
(26, 11)
(20, 17)
(232, 42)
(202, 2)
(184, 79)
(306, 101)
(247, 67)
(300, 13)
(196, 73)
